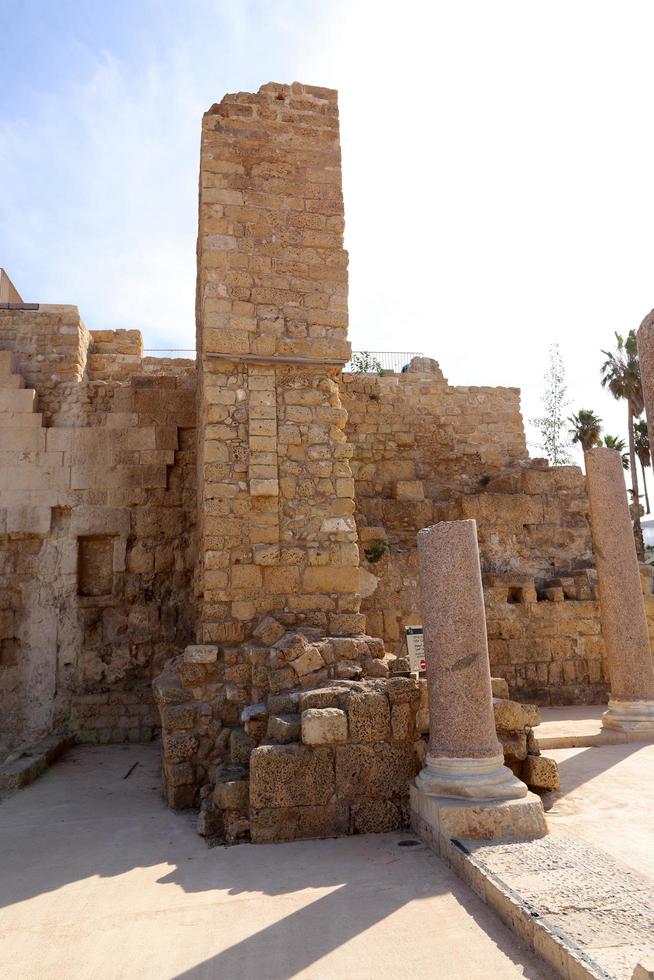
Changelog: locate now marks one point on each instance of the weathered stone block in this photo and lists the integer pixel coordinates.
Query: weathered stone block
(268, 631)
(541, 773)
(509, 715)
(500, 688)
(283, 728)
(307, 662)
(233, 794)
(514, 744)
(373, 770)
(299, 822)
(290, 775)
(323, 726)
(240, 747)
(402, 689)
(401, 721)
(179, 746)
(369, 717)
(201, 654)
(376, 817)
(178, 717)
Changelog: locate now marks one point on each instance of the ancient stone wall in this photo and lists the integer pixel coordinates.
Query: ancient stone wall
(276, 528)
(97, 512)
(425, 451)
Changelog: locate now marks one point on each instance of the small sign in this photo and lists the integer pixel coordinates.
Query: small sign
(416, 648)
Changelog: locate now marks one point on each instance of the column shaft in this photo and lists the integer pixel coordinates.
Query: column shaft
(465, 757)
(622, 608)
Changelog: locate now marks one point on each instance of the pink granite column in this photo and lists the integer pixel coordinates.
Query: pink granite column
(464, 758)
(622, 607)
(645, 338)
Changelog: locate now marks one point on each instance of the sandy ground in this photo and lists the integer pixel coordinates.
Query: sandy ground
(99, 880)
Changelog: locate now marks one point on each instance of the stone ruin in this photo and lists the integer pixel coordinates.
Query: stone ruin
(224, 550)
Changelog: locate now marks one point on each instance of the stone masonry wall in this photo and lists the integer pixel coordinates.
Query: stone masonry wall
(276, 497)
(97, 511)
(425, 451)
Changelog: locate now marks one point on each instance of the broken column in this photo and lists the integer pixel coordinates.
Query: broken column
(622, 608)
(464, 790)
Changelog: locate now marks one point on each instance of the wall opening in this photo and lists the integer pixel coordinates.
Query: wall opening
(95, 565)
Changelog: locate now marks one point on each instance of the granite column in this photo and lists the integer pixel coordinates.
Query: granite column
(464, 758)
(622, 607)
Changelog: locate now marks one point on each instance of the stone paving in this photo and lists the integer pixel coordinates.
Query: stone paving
(601, 908)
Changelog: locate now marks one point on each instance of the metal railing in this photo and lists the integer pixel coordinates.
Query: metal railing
(374, 362)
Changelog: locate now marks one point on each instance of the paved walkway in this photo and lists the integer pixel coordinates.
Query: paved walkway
(99, 880)
(607, 800)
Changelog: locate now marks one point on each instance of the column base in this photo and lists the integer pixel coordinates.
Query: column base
(438, 820)
(629, 716)
(470, 779)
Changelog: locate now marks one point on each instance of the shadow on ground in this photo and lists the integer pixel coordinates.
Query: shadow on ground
(97, 816)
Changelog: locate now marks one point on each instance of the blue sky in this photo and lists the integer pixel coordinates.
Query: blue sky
(497, 166)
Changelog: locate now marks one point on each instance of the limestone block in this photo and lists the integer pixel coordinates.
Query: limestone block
(344, 624)
(541, 773)
(32, 520)
(514, 744)
(323, 726)
(509, 715)
(409, 490)
(179, 774)
(532, 715)
(179, 746)
(401, 721)
(264, 488)
(17, 400)
(299, 822)
(255, 720)
(236, 826)
(323, 697)
(282, 729)
(345, 670)
(232, 794)
(500, 688)
(368, 717)
(402, 689)
(307, 662)
(210, 821)
(290, 775)
(376, 668)
(201, 654)
(376, 817)
(240, 747)
(178, 717)
(378, 769)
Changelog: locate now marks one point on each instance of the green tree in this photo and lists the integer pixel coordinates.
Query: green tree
(620, 373)
(554, 442)
(613, 442)
(363, 362)
(643, 452)
(586, 429)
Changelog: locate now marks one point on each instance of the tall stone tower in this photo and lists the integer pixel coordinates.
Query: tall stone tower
(275, 490)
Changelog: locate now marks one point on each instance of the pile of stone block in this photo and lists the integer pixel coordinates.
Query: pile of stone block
(293, 735)
(333, 760)
(514, 724)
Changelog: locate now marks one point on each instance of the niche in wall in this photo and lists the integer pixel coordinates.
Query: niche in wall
(95, 565)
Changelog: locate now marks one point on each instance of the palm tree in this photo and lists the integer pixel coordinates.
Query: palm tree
(641, 436)
(620, 373)
(613, 442)
(586, 428)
